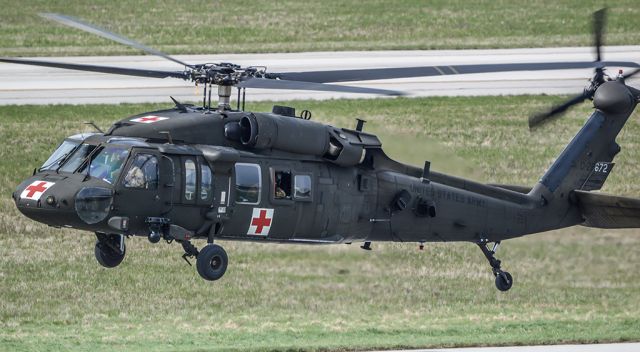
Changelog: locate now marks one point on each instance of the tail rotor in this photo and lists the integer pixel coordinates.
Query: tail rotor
(599, 76)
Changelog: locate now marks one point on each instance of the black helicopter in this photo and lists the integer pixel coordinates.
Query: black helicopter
(215, 172)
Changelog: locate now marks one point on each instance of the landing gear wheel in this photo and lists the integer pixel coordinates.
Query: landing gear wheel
(212, 262)
(504, 281)
(107, 256)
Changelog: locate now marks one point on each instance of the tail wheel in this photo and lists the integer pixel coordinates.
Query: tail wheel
(212, 262)
(504, 281)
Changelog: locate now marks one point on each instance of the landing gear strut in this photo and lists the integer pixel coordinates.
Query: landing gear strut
(504, 281)
(110, 249)
(190, 251)
(211, 260)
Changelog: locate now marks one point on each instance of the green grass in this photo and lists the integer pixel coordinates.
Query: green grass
(578, 285)
(203, 26)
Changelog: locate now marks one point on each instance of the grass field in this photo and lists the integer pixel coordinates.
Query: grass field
(204, 26)
(577, 285)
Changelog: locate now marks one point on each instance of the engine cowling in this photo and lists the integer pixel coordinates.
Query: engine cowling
(294, 135)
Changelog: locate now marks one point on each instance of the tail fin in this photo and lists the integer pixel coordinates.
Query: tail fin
(586, 161)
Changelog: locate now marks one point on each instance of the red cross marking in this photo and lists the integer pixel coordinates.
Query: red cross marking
(261, 221)
(33, 189)
(148, 119)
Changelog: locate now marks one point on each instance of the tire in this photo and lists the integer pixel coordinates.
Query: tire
(107, 257)
(504, 281)
(212, 262)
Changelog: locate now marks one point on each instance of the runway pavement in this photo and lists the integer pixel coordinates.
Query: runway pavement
(21, 84)
(613, 347)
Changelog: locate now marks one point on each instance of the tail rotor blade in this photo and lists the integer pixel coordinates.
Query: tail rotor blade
(555, 112)
(599, 22)
(87, 27)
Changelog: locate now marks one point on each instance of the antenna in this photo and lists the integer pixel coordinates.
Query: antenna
(90, 123)
(168, 136)
(179, 105)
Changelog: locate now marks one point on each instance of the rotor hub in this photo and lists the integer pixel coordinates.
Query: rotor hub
(613, 98)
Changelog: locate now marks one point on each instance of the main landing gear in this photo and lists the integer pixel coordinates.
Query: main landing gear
(504, 281)
(211, 261)
(110, 249)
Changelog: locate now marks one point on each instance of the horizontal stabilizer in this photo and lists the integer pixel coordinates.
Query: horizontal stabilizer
(608, 211)
(515, 188)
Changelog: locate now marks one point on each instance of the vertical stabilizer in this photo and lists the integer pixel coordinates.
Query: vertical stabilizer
(586, 161)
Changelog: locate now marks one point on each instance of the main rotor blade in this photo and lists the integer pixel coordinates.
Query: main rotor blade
(87, 27)
(101, 69)
(632, 73)
(265, 83)
(555, 112)
(424, 71)
(599, 22)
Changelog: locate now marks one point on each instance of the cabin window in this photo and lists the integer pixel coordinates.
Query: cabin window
(282, 185)
(189, 180)
(143, 172)
(248, 181)
(206, 183)
(302, 187)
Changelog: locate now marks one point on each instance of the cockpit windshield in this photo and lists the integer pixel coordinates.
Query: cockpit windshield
(107, 163)
(59, 155)
(76, 159)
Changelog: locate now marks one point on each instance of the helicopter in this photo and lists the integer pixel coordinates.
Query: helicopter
(222, 173)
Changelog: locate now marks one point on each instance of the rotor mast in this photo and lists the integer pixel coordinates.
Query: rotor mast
(224, 97)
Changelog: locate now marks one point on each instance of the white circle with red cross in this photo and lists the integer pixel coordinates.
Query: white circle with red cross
(35, 190)
(149, 119)
(261, 221)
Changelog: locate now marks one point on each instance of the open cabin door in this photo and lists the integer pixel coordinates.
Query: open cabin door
(290, 194)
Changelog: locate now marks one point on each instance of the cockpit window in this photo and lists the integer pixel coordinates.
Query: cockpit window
(143, 172)
(76, 159)
(59, 155)
(107, 163)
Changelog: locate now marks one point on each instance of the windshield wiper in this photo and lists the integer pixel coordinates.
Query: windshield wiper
(58, 160)
(88, 161)
(66, 156)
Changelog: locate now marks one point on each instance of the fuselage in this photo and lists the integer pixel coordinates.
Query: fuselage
(204, 184)
(190, 173)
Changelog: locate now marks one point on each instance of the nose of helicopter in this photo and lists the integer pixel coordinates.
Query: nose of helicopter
(60, 201)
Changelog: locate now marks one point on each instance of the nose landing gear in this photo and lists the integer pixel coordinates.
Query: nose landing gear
(504, 280)
(110, 249)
